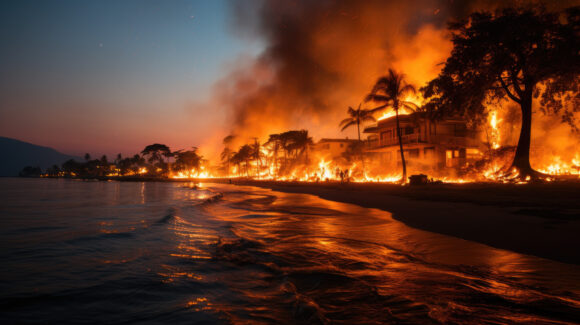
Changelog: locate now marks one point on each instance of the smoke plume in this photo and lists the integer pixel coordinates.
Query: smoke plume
(323, 56)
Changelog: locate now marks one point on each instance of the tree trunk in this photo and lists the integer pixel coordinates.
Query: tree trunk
(522, 157)
(276, 163)
(404, 179)
(362, 159)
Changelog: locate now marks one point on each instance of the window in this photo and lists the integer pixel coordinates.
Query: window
(414, 153)
(448, 158)
(386, 136)
(473, 153)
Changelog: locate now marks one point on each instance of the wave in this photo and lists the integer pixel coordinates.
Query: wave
(101, 236)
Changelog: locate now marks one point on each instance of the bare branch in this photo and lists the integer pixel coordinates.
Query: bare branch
(508, 92)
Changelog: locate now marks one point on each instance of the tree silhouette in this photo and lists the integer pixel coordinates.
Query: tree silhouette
(244, 155)
(391, 90)
(274, 146)
(227, 153)
(356, 117)
(226, 156)
(507, 55)
(186, 160)
(155, 153)
(257, 155)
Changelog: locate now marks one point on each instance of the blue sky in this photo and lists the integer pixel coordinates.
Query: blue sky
(112, 76)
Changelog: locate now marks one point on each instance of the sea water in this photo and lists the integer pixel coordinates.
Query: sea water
(134, 252)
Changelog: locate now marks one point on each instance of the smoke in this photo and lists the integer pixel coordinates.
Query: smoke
(323, 56)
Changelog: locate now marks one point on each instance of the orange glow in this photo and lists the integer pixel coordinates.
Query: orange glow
(402, 111)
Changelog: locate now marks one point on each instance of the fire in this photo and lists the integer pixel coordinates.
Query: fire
(192, 173)
(559, 167)
(402, 111)
(495, 135)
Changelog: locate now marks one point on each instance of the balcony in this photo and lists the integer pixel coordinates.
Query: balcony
(458, 139)
(407, 138)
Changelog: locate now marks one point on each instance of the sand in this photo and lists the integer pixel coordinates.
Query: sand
(536, 219)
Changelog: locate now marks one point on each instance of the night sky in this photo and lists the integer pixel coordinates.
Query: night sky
(114, 76)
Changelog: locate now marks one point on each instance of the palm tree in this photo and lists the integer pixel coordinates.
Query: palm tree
(244, 155)
(357, 116)
(226, 156)
(274, 145)
(227, 153)
(257, 155)
(303, 142)
(391, 91)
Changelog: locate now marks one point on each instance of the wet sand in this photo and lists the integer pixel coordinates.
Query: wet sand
(535, 219)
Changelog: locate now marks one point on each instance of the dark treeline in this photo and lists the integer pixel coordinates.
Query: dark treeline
(156, 160)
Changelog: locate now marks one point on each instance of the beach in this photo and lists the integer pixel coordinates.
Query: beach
(536, 219)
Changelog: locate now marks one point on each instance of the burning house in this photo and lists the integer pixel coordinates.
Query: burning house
(428, 145)
(332, 148)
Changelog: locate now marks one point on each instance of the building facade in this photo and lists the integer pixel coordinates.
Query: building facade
(445, 144)
(332, 148)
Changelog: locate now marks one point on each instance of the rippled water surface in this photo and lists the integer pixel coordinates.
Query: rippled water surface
(110, 252)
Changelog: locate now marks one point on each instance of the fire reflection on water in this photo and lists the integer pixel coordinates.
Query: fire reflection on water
(253, 256)
(279, 244)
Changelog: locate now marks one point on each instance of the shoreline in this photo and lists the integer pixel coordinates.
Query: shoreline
(534, 219)
(540, 219)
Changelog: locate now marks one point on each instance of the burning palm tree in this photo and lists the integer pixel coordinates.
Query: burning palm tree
(392, 90)
(227, 153)
(226, 157)
(257, 155)
(243, 155)
(274, 146)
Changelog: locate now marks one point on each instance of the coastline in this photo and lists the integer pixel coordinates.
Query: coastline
(535, 219)
(540, 219)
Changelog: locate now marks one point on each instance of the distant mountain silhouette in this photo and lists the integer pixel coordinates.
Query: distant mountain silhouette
(17, 154)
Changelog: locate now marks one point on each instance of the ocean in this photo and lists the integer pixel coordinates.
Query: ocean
(84, 252)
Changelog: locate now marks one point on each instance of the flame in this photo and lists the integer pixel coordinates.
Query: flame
(495, 134)
(402, 111)
(559, 167)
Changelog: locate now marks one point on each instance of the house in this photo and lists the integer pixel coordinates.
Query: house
(444, 144)
(332, 148)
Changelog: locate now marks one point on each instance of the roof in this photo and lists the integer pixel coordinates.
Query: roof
(325, 140)
(417, 116)
(374, 128)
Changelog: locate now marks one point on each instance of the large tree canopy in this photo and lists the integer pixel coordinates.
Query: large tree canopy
(514, 54)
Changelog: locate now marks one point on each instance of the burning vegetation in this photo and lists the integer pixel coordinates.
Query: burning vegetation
(456, 102)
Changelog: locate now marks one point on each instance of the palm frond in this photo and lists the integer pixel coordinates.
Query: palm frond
(351, 111)
(407, 89)
(351, 123)
(377, 98)
(368, 118)
(346, 120)
(409, 105)
(378, 108)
